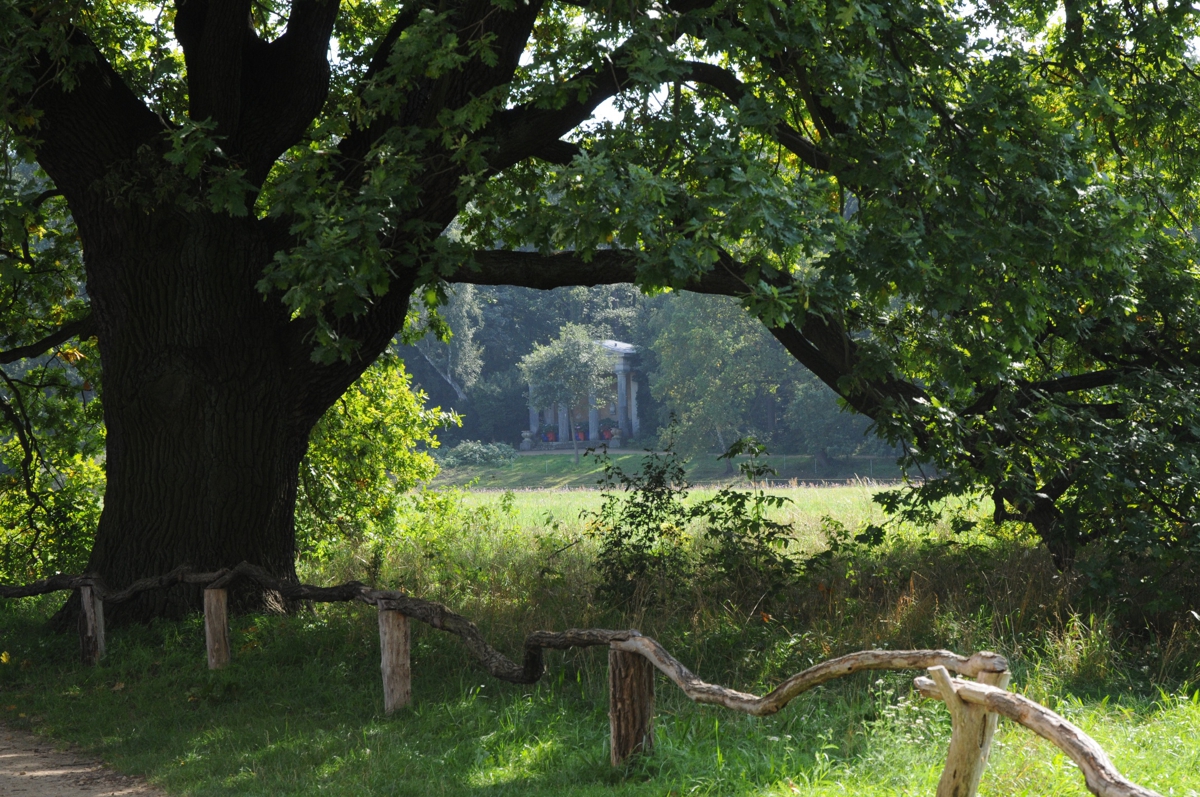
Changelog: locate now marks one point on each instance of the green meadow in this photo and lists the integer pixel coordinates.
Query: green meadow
(556, 470)
(300, 709)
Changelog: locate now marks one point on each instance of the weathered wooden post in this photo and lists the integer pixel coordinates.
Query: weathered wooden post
(216, 627)
(394, 649)
(630, 704)
(972, 728)
(91, 625)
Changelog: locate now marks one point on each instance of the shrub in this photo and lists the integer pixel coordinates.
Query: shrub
(363, 455)
(474, 452)
(652, 544)
(643, 552)
(747, 549)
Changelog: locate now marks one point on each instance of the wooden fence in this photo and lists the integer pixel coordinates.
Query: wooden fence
(975, 705)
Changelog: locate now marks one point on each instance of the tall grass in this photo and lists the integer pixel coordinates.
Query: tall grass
(300, 709)
(522, 561)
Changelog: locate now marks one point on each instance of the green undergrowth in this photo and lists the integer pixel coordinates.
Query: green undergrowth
(300, 709)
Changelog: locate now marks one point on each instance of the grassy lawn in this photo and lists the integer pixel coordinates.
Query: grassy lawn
(300, 709)
(556, 470)
(542, 511)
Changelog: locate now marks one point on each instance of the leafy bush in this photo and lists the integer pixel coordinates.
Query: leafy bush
(474, 452)
(652, 544)
(747, 548)
(362, 457)
(642, 535)
(52, 438)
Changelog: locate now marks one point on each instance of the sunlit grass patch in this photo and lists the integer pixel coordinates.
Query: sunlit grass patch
(557, 470)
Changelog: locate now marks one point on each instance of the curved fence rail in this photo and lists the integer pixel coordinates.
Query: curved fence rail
(974, 706)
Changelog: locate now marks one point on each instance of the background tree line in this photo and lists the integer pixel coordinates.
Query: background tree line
(706, 366)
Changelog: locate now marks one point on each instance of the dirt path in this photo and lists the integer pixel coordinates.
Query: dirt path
(31, 766)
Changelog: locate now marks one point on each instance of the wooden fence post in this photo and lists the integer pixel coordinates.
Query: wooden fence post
(216, 627)
(630, 704)
(972, 729)
(394, 648)
(91, 625)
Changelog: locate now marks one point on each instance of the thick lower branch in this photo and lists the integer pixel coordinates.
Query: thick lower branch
(821, 346)
(82, 328)
(563, 269)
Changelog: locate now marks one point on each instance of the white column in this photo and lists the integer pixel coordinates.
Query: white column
(533, 414)
(564, 429)
(593, 418)
(634, 423)
(622, 371)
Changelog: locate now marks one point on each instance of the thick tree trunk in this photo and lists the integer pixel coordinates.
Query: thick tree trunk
(203, 403)
(205, 478)
(1061, 538)
(1055, 533)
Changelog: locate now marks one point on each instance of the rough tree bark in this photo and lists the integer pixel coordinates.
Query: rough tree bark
(210, 391)
(209, 399)
(204, 435)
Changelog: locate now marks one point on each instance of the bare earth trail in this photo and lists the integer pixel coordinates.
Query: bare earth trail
(31, 766)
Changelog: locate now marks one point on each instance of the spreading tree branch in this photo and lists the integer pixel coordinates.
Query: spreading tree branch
(736, 91)
(262, 95)
(85, 130)
(819, 344)
(82, 328)
(529, 131)
(532, 131)
(506, 33)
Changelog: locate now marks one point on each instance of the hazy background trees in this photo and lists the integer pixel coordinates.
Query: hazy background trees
(569, 371)
(706, 365)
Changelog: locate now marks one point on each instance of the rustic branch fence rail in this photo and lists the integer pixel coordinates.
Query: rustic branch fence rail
(974, 706)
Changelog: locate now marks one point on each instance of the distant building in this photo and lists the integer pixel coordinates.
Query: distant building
(613, 422)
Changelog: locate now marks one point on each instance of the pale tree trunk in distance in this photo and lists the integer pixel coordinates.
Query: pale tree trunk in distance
(724, 448)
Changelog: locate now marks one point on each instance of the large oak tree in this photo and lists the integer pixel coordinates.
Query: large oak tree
(972, 221)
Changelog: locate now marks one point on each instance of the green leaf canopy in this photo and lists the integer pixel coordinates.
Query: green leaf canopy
(975, 222)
